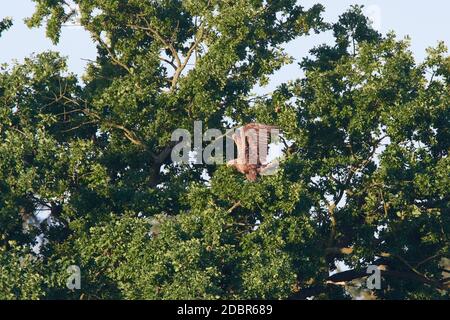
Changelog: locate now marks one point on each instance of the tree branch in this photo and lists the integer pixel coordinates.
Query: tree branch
(155, 34)
(111, 54)
(179, 71)
(350, 275)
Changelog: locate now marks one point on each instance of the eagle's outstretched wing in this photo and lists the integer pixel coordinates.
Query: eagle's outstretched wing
(258, 141)
(252, 144)
(241, 143)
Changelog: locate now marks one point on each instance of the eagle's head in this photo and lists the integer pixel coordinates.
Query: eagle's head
(238, 165)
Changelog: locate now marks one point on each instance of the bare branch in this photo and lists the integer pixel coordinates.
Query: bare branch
(234, 207)
(198, 38)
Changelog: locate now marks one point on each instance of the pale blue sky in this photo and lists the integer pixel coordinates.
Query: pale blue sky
(426, 22)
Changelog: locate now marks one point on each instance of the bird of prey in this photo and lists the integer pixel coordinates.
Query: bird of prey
(252, 145)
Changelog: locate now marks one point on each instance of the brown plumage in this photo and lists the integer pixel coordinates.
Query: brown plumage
(252, 144)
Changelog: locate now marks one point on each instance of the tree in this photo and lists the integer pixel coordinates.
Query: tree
(364, 179)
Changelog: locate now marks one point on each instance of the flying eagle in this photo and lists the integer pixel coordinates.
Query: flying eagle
(252, 145)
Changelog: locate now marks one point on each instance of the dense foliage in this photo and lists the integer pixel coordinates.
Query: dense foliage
(86, 177)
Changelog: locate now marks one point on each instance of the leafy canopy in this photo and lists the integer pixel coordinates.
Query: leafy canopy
(365, 180)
